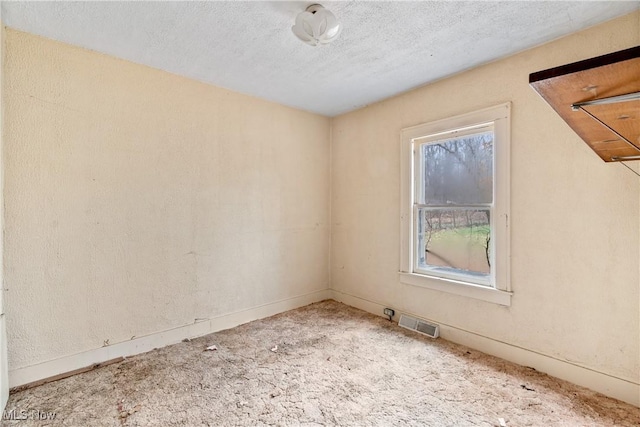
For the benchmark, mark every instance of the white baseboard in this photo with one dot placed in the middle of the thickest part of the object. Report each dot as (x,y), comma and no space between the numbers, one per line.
(52,368)
(625,390)
(618,388)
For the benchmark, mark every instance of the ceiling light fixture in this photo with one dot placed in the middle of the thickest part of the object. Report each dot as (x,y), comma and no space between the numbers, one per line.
(316,26)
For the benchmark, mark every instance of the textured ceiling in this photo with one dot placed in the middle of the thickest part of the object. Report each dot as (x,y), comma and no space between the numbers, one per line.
(385,47)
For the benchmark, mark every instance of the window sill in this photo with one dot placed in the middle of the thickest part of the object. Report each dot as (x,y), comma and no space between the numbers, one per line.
(457,288)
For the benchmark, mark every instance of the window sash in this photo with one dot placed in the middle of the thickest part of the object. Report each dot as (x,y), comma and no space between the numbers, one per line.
(417,196)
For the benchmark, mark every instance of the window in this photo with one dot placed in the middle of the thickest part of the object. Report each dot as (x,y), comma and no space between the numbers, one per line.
(455,200)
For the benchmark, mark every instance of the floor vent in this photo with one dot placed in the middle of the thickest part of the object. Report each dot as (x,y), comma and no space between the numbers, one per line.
(429,329)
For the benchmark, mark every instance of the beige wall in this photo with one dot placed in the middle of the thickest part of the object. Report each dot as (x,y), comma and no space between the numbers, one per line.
(138,201)
(575,232)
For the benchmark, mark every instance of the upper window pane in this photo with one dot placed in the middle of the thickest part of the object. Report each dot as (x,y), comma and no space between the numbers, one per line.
(458,171)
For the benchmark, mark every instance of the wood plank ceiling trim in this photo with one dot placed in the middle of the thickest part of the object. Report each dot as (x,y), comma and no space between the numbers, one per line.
(612,130)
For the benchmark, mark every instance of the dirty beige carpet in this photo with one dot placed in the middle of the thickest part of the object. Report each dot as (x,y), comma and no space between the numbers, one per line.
(334,365)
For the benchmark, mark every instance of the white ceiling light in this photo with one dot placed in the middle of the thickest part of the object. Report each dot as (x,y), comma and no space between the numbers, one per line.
(316,26)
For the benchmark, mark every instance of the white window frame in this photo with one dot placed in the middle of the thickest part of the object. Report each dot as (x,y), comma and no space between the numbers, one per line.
(499,288)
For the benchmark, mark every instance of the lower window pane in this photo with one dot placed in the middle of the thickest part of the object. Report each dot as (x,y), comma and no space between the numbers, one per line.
(455,241)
